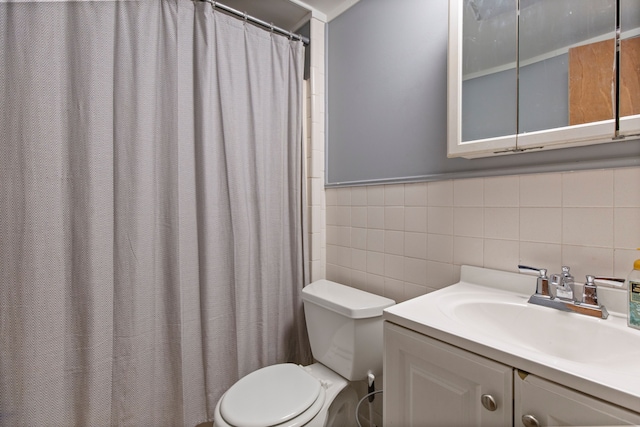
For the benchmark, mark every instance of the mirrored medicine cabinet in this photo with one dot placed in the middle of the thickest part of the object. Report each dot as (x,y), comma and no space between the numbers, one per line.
(541,74)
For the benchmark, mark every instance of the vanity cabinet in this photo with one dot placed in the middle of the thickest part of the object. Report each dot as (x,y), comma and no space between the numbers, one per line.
(432,383)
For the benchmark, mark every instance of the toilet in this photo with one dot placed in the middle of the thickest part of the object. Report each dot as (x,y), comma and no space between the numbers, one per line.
(345,332)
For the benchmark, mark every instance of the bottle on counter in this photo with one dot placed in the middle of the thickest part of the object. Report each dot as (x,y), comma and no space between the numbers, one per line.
(633,289)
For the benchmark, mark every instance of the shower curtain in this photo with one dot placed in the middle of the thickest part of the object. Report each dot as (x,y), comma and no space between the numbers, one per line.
(151,210)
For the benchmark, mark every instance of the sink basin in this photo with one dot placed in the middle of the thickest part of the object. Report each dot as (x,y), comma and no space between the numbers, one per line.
(570,336)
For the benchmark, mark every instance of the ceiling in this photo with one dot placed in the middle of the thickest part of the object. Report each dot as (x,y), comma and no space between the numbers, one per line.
(290,14)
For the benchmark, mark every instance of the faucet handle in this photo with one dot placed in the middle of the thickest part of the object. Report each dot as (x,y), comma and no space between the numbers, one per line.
(590,291)
(542,272)
(609,282)
(542,283)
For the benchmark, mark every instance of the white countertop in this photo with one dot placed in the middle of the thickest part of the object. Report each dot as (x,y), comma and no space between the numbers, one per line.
(612,379)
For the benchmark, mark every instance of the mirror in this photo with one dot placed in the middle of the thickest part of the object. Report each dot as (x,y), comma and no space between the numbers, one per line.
(541,74)
(489,71)
(630,67)
(566,58)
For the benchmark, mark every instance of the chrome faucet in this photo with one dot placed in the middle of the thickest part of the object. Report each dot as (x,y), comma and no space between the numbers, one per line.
(564,285)
(559,292)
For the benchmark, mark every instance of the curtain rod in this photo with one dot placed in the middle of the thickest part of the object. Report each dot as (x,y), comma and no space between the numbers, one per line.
(260,22)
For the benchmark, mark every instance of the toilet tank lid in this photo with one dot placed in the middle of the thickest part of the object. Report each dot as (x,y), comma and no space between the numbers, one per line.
(348,301)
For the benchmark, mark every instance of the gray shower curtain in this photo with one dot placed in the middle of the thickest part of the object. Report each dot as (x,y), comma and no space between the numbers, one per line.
(151,210)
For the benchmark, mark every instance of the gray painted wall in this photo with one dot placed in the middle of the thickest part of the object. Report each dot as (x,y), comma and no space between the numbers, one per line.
(387,98)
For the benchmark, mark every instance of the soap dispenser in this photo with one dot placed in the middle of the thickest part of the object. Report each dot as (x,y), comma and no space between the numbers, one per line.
(633,289)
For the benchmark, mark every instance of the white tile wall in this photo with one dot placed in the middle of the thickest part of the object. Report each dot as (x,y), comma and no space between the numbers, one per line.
(404,240)
(338,214)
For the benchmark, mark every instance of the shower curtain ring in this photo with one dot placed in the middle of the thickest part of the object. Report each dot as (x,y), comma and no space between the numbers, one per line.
(271,26)
(245,16)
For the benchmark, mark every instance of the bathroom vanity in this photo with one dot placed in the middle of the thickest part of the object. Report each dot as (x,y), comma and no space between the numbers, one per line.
(477,353)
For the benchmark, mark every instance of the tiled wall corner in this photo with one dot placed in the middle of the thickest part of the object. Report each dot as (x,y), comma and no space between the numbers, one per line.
(404,240)
(315,154)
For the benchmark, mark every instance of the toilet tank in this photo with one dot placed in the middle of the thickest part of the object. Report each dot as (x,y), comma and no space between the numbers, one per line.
(345,328)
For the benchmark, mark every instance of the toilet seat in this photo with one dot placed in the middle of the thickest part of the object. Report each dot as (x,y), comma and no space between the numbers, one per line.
(283,394)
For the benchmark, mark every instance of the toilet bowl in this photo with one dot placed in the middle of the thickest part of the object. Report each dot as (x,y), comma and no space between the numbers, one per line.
(285,395)
(345,332)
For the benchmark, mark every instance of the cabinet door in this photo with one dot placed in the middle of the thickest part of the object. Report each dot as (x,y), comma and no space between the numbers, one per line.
(430,383)
(540,402)
(482,82)
(566,77)
(630,68)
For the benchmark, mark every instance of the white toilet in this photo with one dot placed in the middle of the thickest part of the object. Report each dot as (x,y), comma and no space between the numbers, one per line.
(345,331)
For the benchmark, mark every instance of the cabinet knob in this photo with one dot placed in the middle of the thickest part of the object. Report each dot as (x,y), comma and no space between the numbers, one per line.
(530,421)
(488,402)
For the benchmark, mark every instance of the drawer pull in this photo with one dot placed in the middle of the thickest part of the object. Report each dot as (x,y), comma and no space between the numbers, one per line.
(530,421)
(489,402)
